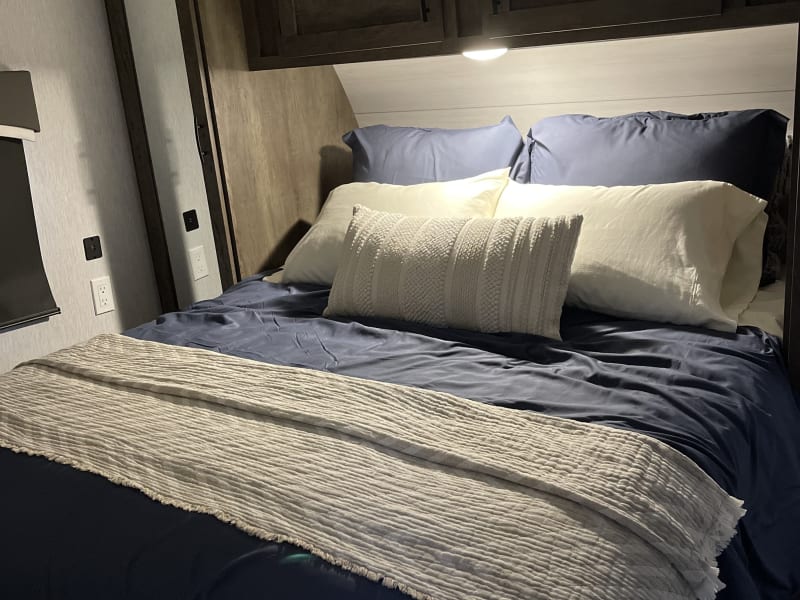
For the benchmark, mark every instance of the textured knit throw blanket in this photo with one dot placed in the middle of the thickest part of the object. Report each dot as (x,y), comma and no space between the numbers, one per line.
(435,495)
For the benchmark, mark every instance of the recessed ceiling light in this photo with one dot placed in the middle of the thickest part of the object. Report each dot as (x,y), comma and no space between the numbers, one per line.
(485,54)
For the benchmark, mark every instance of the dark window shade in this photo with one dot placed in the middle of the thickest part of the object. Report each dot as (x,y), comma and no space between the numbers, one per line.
(25,294)
(17,106)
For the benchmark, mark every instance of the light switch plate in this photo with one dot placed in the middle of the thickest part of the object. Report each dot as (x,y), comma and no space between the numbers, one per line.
(92,248)
(197,258)
(102,295)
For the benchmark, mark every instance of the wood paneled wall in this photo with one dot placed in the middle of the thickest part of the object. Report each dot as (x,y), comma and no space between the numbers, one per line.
(280,140)
(696,72)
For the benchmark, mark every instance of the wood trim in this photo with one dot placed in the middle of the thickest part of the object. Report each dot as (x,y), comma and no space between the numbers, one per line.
(262,63)
(590,14)
(374,37)
(731,18)
(140,149)
(791,318)
(213,171)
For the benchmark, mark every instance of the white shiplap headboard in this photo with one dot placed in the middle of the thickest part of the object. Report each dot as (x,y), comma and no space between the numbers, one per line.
(698,72)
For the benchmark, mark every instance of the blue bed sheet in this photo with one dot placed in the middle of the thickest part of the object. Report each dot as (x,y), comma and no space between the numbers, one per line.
(722,399)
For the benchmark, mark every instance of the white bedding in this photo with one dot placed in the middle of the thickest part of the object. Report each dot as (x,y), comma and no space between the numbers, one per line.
(437,496)
(766,309)
(316,256)
(687,253)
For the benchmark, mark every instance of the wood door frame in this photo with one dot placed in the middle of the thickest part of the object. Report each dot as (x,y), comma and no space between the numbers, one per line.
(140,150)
(791,316)
(210,153)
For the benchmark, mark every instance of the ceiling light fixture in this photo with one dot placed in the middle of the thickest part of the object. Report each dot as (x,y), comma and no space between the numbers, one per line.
(488,54)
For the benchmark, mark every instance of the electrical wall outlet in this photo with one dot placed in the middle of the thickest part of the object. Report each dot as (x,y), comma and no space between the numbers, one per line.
(102,295)
(197,258)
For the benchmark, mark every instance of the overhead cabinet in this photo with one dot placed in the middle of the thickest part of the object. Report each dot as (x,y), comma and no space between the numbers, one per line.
(296,33)
(306,32)
(312,27)
(520,17)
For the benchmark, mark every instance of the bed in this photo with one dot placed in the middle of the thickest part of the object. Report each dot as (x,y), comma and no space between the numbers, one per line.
(723,400)
(405,453)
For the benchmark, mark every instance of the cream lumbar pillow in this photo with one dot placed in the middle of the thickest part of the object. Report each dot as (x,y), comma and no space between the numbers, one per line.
(482,274)
(685,253)
(316,256)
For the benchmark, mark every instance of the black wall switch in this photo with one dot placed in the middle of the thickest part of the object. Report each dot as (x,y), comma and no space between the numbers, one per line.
(91,246)
(190,220)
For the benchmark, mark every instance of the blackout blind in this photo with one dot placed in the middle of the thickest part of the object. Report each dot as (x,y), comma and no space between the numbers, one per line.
(25,294)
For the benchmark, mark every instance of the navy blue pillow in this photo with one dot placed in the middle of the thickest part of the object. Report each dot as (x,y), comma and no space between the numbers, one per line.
(409,155)
(744,148)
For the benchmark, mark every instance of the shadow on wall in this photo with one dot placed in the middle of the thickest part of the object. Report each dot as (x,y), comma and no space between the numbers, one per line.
(335,169)
(103,193)
(167,176)
(100,157)
(96,164)
(289,240)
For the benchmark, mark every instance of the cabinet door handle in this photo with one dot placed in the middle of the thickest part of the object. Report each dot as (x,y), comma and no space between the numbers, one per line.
(424,10)
(197,127)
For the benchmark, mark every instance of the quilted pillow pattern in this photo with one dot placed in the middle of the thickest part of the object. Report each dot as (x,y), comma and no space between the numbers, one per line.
(482,274)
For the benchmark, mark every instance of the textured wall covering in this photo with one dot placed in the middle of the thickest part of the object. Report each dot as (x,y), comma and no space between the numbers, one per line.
(81,173)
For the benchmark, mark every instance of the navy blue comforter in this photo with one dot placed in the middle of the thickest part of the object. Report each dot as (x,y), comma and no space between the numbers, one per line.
(722,399)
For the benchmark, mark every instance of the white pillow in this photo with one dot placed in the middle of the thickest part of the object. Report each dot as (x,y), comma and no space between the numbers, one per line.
(316,256)
(686,253)
(471,273)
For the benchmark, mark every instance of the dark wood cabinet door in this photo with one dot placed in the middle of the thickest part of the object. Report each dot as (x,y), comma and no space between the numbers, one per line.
(520,17)
(315,27)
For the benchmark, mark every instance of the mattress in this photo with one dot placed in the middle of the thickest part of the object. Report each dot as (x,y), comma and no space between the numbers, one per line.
(722,399)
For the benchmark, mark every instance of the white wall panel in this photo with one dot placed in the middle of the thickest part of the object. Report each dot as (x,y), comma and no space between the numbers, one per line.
(81,173)
(710,71)
(526,115)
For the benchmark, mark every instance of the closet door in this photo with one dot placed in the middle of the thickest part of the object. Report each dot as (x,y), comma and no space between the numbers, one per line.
(791,317)
(315,27)
(520,17)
